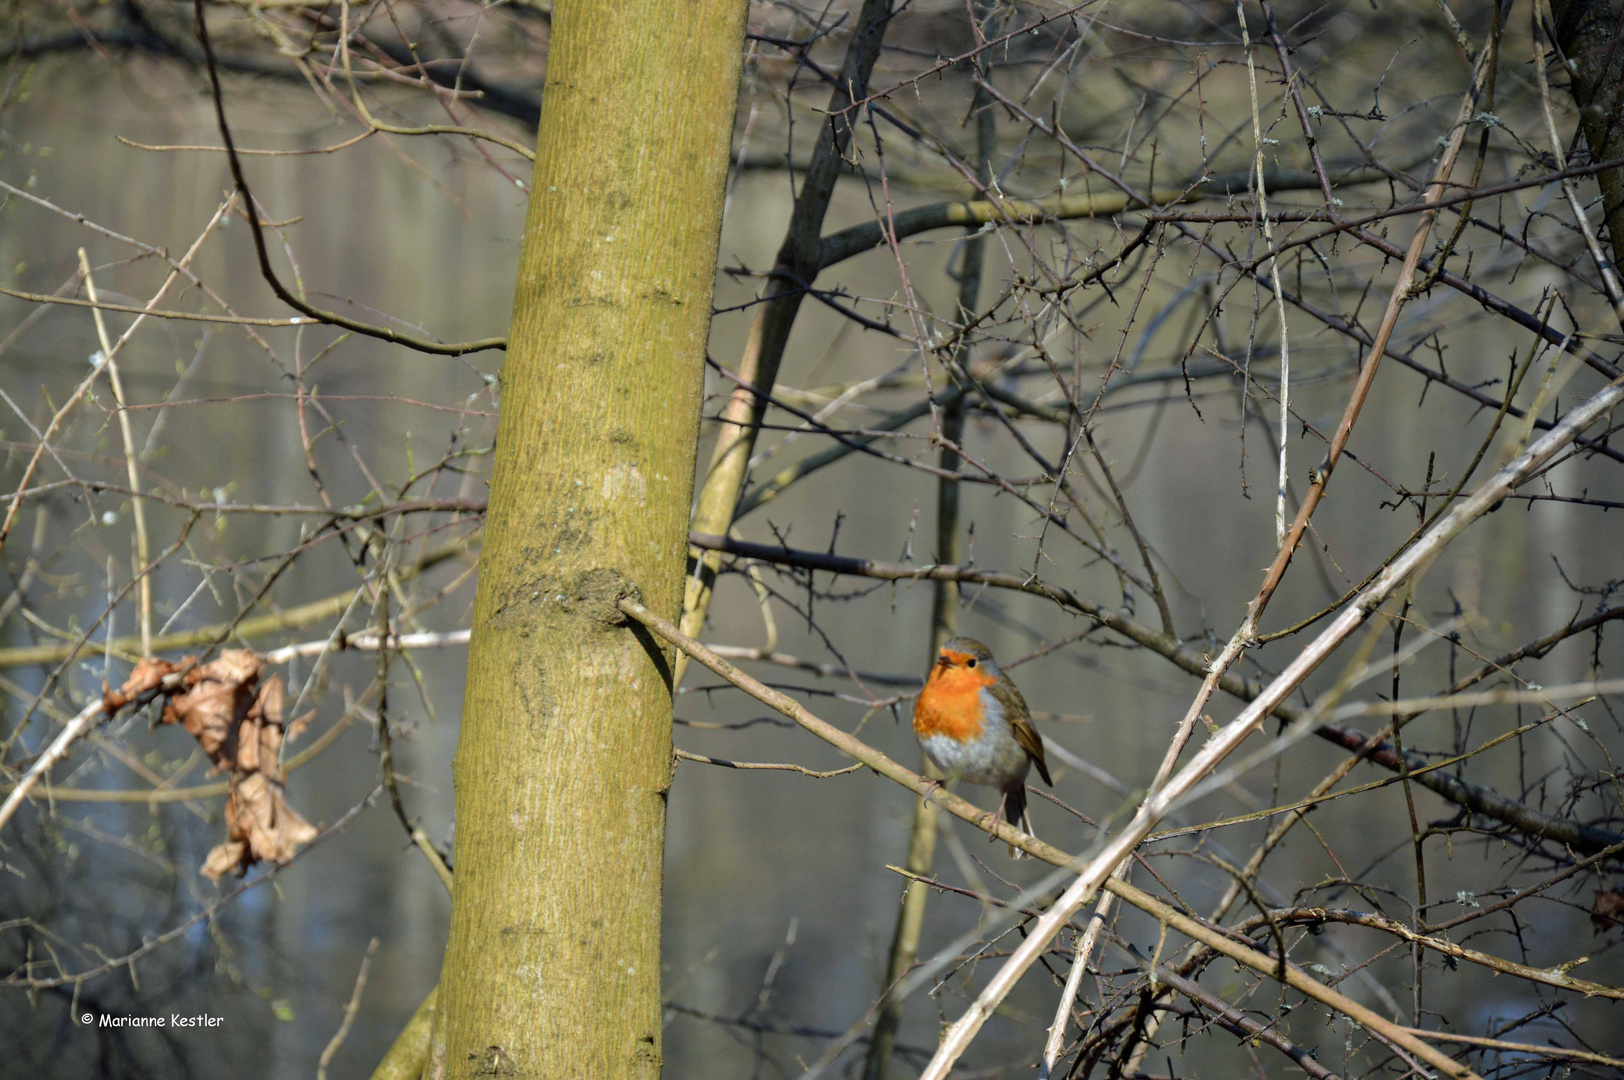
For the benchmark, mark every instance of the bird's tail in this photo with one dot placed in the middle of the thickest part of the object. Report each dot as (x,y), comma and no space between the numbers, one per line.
(1015,814)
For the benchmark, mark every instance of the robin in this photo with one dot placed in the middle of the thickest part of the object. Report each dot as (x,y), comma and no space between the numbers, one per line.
(974,724)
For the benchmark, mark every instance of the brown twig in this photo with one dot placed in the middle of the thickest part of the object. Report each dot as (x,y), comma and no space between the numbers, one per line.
(350,1011)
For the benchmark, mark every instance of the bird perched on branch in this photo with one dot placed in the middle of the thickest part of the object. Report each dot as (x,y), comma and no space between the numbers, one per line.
(974,724)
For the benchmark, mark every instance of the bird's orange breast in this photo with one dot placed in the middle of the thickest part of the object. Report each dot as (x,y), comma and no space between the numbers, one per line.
(950,704)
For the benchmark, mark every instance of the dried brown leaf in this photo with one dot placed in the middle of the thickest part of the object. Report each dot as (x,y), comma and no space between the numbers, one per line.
(297,728)
(1608,910)
(239,723)
(218,694)
(226,858)
(147,675)
(260,825)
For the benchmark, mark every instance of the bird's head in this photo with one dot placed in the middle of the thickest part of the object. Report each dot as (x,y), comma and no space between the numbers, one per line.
(966,655)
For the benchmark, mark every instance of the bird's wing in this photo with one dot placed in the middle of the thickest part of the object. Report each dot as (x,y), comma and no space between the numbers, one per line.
(1020,725)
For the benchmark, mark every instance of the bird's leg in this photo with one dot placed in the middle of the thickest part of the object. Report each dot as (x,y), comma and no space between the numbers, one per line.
(991,817)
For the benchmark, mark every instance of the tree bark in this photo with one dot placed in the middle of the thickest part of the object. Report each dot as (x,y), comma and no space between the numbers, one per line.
(553,964)
(1588,32)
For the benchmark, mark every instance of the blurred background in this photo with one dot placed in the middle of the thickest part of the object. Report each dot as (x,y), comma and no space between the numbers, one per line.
(779,903)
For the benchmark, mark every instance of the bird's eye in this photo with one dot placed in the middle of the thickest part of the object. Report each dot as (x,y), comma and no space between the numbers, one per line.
(971,662)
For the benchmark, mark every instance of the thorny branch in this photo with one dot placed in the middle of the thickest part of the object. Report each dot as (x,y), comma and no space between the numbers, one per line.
(1435,227)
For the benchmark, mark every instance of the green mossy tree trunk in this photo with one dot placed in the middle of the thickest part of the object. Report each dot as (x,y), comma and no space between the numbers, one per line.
(553,965)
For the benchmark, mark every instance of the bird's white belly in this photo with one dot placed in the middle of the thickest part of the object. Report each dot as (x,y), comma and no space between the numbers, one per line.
(976,760)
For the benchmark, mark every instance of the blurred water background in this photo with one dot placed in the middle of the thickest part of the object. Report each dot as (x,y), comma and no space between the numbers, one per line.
(766,872)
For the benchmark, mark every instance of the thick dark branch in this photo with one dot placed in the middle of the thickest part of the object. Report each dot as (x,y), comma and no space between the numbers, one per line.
(1588,34)
(1479,800)
(840,246)
(256,233)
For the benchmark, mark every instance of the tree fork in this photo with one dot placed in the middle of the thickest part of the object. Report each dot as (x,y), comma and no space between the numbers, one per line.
(797,264)
(553,963)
